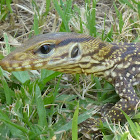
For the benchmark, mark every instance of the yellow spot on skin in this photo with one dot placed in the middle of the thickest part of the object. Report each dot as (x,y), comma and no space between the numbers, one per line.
(28,67)
(15,65)
(114,119)
(38,65)
(113,74)
(25,63)
(120,66)
(125,105)
(18,68)
(9,69)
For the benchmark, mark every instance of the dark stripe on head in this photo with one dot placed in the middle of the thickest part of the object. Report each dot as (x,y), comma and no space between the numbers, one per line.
(69,40)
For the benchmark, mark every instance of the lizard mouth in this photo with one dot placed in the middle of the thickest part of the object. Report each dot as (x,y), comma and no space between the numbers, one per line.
(15,65)
(19,65)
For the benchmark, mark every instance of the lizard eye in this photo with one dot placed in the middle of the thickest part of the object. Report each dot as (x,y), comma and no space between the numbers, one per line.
(75,51)
(46,48)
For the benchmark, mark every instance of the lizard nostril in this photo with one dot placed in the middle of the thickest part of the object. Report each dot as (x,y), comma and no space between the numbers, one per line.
(20,56)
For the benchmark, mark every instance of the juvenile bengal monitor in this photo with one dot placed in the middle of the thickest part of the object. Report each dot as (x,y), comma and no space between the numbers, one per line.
(79,53)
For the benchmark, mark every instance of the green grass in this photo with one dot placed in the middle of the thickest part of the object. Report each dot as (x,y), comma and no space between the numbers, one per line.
(46,104)
(5,8)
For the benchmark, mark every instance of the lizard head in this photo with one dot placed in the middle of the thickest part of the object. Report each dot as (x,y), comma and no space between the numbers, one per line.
(64,52)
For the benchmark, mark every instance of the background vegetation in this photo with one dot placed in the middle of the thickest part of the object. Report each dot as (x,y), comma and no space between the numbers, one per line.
(40,105)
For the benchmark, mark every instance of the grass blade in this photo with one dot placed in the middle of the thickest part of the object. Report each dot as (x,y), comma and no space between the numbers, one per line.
(36,25)
(9,6)
(5,119)
(48,2)
(75,124)
(62,14)
(139,9)
(6,43)
(7,90)
(40,107)
(22,76)
(91,18)
(119,15)
(128,3)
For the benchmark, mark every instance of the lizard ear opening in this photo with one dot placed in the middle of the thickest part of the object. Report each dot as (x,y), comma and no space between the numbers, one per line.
(75,51)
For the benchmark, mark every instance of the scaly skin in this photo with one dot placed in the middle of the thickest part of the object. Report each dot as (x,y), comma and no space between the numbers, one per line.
(78,53)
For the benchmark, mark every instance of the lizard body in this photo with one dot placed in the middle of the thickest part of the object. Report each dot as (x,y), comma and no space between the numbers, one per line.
(78,53)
